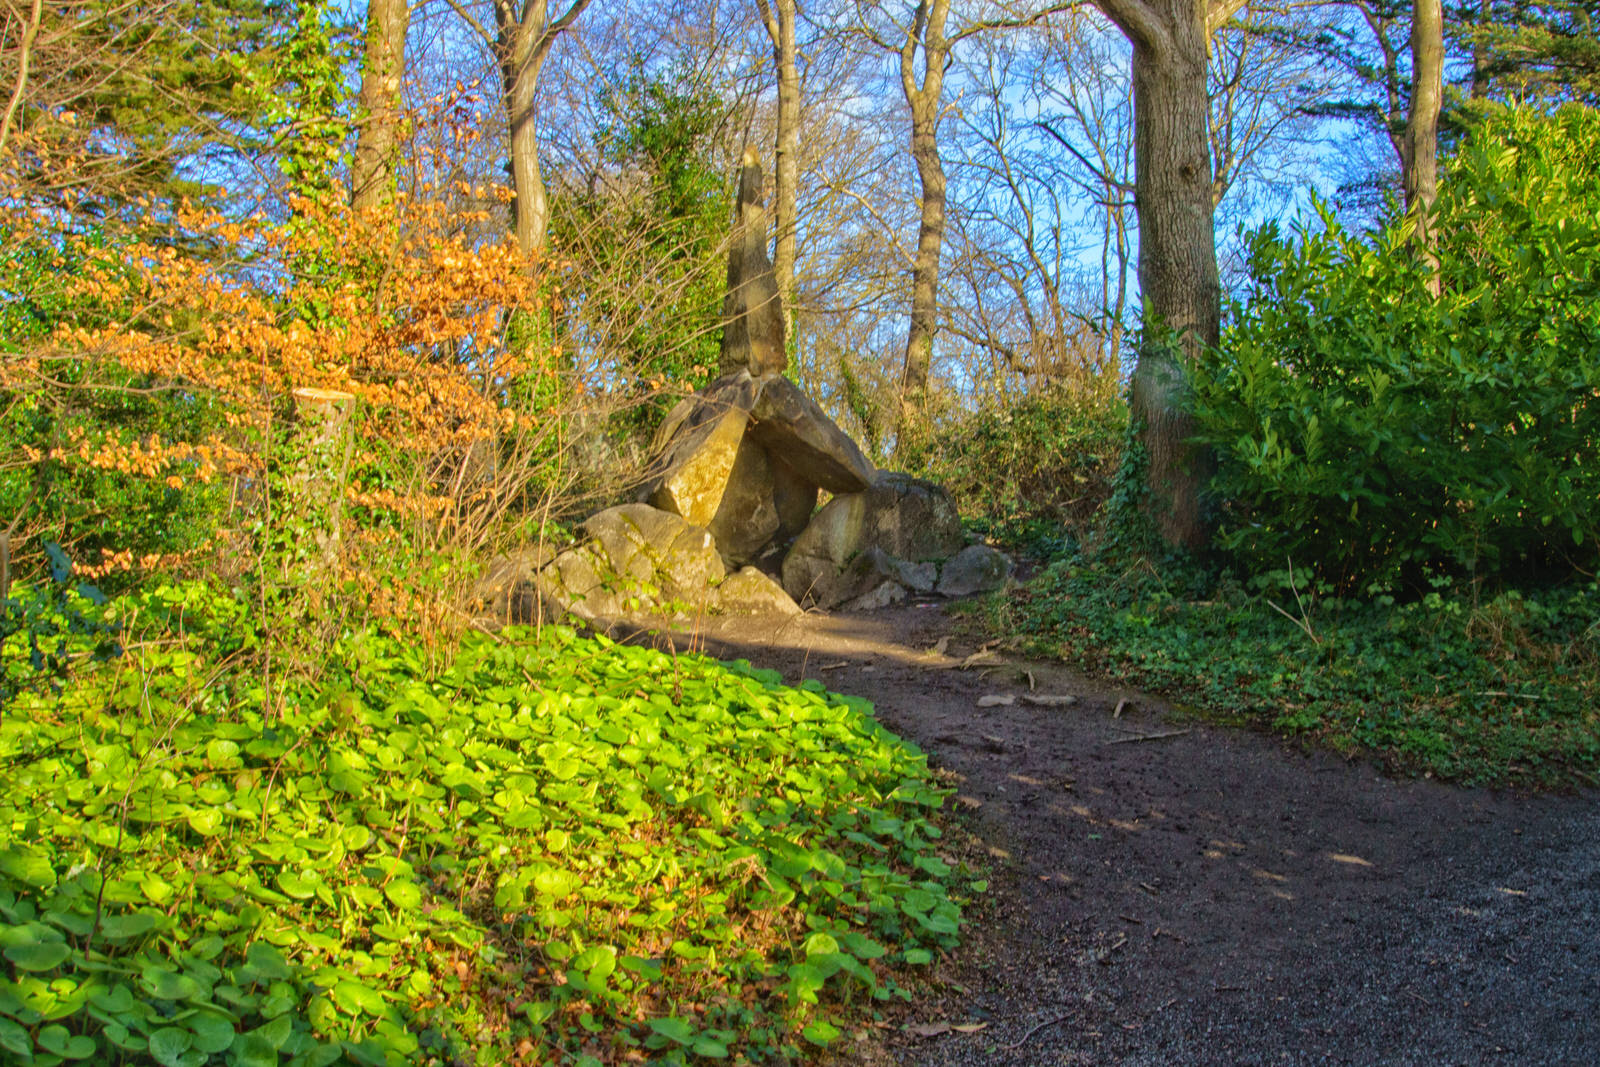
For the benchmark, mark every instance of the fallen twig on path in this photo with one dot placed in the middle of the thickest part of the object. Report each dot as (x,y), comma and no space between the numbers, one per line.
(1145,737)
(1023,1040)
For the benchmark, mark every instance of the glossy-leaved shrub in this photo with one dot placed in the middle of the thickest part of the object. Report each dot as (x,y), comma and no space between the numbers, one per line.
(1371,431)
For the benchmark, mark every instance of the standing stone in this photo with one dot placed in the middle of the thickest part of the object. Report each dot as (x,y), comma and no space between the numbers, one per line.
(752,311)
(794,495)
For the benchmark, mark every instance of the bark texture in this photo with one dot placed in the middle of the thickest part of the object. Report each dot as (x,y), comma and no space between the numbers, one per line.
(1177,246)
(378,138)
(924,98)
(1420,159)
(779,19)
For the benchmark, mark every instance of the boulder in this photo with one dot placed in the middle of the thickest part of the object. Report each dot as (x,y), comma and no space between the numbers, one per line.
(657,548)
(506,591)
(794,495)
(829,585)
(905,518)
(790,425)
(751,592)
(697,446)
(975,569)
(747,517)
(581,581)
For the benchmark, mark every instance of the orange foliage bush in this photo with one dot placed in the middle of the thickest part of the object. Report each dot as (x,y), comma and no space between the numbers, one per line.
(403,308)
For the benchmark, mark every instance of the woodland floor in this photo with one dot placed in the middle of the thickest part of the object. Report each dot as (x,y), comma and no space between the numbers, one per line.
(1164,891)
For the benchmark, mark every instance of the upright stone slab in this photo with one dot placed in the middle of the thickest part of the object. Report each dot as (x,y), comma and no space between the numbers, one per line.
(752,310)
(747,517)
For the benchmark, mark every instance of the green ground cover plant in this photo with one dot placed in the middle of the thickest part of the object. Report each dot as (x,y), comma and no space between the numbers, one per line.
(546,848)
(1486,690)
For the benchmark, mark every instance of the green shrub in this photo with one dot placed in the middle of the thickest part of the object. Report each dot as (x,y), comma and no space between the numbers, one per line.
(1038,467)
(1369,431)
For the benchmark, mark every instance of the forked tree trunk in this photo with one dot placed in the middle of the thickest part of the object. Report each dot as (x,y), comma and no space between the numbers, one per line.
(524,35)
(378,137)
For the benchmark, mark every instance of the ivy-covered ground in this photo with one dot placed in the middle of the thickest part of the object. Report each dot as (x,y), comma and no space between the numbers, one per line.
(529,848)
(1462,685)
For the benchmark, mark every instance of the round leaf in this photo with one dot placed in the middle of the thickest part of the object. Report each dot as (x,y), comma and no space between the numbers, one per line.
(38,955)
(403,895)
(207,822)
(168,1044)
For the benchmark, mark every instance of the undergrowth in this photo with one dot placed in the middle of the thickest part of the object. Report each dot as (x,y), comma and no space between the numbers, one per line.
(1484,690)
(549,849)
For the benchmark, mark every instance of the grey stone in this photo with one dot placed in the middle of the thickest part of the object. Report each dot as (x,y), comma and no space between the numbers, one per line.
(791,426)
(751,592)
(752,310)
(666,550)
(794,495)
(917,577)
(747,516)
(975,569)
(696,447)
(904,517)
(506,585)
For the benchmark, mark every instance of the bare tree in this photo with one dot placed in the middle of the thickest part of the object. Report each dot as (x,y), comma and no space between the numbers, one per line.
(524,35)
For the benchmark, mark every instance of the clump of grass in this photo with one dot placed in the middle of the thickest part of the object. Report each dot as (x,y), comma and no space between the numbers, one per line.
(1499,690)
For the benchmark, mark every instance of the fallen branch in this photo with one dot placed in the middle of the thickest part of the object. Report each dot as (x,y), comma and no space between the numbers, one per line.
(1146,737)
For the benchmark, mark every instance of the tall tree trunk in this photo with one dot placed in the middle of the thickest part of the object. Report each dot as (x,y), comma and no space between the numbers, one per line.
(1178,278)
(530,203)
(524,35)
(1421,160)
(378,137)
(779,18)
(924,100)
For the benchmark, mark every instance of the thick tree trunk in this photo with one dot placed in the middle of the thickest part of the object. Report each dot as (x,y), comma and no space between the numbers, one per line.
(1421,159)
(1178,279)
(378,138)
(924,100)
(780,22)
(530,203)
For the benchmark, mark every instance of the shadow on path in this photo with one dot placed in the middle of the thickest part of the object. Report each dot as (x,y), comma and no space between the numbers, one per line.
(1169,892)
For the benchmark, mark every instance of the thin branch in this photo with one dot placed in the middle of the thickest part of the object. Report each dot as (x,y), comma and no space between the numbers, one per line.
(24,55)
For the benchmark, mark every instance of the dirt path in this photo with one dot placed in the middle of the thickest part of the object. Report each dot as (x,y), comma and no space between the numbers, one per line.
(1209,896)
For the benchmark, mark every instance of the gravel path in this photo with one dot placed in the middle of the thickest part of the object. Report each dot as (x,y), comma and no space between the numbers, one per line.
(1167,892)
